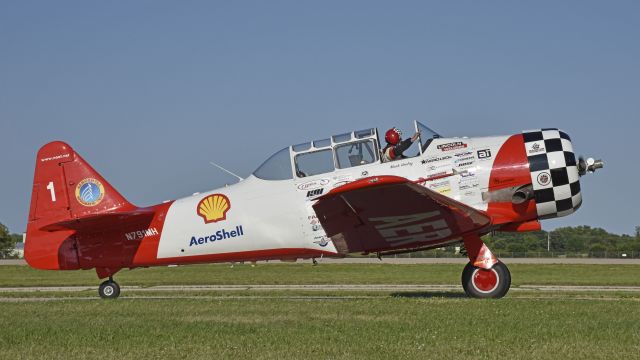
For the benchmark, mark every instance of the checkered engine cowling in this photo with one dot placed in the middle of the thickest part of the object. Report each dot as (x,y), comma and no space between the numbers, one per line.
(554,172)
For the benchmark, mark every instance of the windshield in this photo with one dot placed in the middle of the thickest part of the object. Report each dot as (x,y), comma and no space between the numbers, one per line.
(426,135)
(277,167)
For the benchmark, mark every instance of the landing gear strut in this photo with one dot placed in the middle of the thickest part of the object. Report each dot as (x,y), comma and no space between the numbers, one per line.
(109,289)
(486,283)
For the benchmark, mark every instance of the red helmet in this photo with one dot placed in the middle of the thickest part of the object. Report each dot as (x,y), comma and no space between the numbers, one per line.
(393,136)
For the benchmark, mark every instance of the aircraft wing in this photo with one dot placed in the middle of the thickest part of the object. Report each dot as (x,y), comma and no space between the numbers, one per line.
(388,212)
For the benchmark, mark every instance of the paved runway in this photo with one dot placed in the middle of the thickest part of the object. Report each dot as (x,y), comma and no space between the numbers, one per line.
(334,288)
(260,292)
(390,260)
(594,261)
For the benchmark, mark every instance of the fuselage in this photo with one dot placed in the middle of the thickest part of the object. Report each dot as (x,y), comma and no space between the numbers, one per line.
(269,215)
(274,218)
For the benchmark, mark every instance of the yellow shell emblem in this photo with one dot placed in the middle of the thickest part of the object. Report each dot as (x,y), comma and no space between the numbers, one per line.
(214,208)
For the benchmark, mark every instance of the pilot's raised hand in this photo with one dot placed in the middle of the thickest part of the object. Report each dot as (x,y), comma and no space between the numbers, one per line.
(415,136)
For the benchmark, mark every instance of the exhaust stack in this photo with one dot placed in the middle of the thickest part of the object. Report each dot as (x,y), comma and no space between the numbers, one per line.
(522,195)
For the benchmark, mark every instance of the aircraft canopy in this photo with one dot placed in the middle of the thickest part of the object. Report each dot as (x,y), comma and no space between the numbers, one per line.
(337,152)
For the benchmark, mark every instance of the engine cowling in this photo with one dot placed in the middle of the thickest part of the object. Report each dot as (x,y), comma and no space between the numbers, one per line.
(554,172)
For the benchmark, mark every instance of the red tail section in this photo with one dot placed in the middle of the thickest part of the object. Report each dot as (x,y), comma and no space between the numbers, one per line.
(65,189)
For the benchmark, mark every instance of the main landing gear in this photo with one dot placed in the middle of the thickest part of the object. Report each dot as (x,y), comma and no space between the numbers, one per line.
(484,276)
(109,289)
(486,283)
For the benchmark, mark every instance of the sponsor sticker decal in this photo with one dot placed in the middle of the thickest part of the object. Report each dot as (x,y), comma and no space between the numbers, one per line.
(468,158)
(464,154)
(321,240)
(536,148)
(314,222)
(214,208)
(463,164)
(544,179)
(316,192)
(440,186)
(469,186)
(89,192)
(484,154)
(313,184)
(439,167)
(452,146)
(435,159)
(221,234)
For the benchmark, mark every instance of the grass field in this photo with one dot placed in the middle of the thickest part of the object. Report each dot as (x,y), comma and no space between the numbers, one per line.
(327,325)
(220,274)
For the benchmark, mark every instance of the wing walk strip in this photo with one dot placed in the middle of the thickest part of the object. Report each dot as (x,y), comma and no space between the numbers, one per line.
(356,287)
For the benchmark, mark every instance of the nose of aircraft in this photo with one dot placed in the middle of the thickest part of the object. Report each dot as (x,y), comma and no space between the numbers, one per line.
(554,172)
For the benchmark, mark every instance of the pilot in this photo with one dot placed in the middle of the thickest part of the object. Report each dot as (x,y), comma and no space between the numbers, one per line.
(395,145)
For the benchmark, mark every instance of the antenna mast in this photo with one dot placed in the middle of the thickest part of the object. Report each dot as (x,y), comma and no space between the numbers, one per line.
(225,170)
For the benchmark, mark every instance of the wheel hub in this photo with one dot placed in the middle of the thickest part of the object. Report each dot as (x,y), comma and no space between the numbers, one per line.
(485,280)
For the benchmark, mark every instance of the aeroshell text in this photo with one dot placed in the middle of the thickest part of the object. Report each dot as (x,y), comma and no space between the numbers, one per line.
(218,235)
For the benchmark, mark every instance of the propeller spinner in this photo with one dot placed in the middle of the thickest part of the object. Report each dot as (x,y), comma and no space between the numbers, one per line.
(589,166)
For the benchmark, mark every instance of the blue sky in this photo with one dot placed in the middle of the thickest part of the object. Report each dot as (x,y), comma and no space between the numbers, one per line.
(149,91)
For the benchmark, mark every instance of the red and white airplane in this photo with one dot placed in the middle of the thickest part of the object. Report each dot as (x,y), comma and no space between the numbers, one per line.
(328,198)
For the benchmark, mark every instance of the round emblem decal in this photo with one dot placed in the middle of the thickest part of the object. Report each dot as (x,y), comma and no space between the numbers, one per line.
(544,179)
(89,192)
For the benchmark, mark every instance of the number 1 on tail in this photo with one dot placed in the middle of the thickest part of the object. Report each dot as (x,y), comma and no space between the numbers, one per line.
(53,192)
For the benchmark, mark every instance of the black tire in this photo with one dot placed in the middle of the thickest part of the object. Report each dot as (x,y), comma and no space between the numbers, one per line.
(486,284)
(109,290)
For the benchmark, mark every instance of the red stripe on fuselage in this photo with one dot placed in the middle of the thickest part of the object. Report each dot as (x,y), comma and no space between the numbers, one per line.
(254,255)
(148,248)
(511,169)
(511,166)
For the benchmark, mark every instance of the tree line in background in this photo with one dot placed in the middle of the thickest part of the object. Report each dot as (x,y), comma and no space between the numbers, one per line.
(577,240)
(8,243)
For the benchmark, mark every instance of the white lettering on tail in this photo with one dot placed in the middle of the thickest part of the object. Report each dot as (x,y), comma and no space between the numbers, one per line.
(141,234)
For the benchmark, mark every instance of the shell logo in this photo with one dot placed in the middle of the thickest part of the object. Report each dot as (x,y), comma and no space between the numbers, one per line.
(214,208)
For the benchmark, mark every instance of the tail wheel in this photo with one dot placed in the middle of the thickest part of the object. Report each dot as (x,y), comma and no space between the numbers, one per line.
(109,290)
(481,283)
